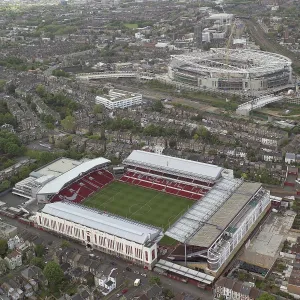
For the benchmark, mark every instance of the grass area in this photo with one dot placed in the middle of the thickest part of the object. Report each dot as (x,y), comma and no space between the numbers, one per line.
(131,25)
(141,204)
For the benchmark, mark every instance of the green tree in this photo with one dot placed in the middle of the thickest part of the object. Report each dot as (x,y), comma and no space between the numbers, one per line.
(172,144)
(98,108)
(3,247)
(39,250)
(4,185)
(11,88)
(40,90)
(65,244)
(3,266)
(53,273)
(157,106)
(69,124)
(13,149)
(24,172)
(202,132)
(154,280)
(168,294)
(266,296)
(2,85)
(38,261)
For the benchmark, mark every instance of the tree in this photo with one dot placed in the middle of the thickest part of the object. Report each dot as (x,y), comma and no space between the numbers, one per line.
(157,106)
(98,109)
(65,244)
(39,250)
(53,273)
(172,144)
(40,90)
(203,132)
(68,123)
(11,88)
(266,296)
(3,247)
(4,185)
(3,266)
(154,280)
(38,261)
(13,149)
(168,294)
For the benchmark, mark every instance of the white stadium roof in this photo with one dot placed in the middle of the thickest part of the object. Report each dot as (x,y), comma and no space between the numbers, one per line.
(58,183)
(187,226)
(174,164)
(105,222)
(184,271)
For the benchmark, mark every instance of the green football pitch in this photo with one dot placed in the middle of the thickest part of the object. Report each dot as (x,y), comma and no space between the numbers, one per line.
(140,204)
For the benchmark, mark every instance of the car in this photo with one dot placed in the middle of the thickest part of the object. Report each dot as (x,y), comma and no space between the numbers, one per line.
(136,272)
(113,263)
(144,275)
(119,295)
(124,291)
(128,269)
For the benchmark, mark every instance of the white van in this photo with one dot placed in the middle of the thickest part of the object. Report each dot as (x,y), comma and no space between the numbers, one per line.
(137,282)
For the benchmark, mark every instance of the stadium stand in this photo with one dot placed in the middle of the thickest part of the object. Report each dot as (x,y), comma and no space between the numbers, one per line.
(84,187)
(162,182)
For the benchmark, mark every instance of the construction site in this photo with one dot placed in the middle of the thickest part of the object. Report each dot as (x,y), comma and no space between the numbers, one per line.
(242,70)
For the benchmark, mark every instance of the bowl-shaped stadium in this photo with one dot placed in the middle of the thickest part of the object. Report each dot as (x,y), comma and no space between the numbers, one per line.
(232,69)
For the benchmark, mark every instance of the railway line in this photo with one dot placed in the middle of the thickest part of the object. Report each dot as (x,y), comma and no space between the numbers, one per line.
(261,38)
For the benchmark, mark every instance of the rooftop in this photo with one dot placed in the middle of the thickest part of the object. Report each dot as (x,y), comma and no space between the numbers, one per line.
(189,226)
(57,167)
(117,95)
(220,16)
(184,271)
(105,222)
(58,183)
(208,233)
(174,164)
(264,248)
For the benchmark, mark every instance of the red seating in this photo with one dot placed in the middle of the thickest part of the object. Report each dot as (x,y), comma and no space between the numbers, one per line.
(84,187)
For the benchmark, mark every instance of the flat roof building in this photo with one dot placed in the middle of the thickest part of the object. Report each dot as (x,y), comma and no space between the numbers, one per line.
(263,250)
(119,99)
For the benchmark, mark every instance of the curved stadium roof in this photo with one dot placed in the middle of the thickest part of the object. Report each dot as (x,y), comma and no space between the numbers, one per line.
(58,183)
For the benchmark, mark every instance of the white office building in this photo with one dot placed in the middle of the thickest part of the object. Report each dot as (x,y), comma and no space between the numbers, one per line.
(100,230)
(119,99)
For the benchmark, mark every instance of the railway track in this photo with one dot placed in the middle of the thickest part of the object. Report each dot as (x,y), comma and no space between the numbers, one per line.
(261,38)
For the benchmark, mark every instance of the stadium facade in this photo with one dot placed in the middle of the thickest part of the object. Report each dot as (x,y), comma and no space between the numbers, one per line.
(232,70)
(100,230)
(224,213)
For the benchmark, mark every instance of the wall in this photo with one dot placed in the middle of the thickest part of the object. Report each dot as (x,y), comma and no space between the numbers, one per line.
(102,241)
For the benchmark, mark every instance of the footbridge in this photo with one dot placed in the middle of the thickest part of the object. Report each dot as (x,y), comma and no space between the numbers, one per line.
(105,75)
(245,108)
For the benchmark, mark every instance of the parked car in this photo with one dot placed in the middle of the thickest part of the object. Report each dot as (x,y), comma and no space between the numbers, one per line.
(144,274)
(124,291)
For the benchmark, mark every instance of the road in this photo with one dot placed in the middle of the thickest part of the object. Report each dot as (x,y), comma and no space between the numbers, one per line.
(175,286)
